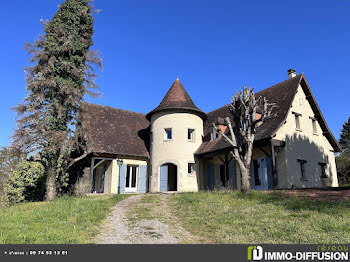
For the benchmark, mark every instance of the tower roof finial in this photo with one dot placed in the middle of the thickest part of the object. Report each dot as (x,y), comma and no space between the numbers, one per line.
(177,78)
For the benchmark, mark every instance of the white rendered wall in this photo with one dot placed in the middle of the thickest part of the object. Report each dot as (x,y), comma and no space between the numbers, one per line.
(179,150)
(303,144)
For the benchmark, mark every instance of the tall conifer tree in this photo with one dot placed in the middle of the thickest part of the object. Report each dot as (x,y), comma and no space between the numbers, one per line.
(62,72)
(344,140)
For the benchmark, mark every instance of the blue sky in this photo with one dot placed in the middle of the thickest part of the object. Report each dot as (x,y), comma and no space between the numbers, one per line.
(213,46)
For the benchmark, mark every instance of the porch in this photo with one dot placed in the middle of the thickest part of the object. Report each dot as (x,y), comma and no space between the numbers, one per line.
(219,171)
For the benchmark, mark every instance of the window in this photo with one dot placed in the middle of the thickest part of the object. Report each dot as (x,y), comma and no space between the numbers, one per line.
(297,121)
(168,134)
(302,168)
(323,169)
(314,127)
(190,134)
(130,179)
(213,134)
(256,172)
(190,168)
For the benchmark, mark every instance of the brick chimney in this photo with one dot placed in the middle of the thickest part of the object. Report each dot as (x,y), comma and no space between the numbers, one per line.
(291,73)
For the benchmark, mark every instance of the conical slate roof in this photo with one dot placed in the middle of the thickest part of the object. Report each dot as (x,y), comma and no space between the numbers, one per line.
(177,100)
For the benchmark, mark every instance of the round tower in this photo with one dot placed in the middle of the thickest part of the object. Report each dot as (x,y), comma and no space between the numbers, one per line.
(176,134)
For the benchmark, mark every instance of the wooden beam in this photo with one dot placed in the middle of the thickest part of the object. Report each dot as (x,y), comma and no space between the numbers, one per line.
(278,143)
(262,150)
(223,161)
(99,163)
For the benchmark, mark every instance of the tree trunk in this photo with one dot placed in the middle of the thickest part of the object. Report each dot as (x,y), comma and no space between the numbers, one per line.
(50,184)
(245,181)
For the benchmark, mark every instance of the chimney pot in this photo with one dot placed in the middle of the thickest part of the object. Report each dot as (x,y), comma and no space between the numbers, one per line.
(291,73)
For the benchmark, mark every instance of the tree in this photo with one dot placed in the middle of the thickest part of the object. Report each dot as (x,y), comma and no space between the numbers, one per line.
(343,159)
(344,140)
(248,113)
(62,72)
(343,167)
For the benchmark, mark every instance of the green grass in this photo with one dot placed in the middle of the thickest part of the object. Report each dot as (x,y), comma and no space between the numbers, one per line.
(230,217)
(70,220)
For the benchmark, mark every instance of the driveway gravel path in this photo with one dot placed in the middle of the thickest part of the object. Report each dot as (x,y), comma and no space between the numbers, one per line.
(143,219)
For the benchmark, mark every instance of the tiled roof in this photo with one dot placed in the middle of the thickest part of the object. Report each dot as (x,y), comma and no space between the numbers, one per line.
(116,131)
(283,95)
(177,99)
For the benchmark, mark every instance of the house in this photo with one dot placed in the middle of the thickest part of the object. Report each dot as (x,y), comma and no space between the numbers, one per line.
(175,148)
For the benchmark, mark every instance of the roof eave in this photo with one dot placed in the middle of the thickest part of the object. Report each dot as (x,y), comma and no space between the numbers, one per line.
(198,112)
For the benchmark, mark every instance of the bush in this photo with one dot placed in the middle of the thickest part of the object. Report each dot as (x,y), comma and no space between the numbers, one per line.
(27,182)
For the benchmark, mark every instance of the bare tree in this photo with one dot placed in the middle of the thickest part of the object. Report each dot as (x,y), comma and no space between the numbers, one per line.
(248,113)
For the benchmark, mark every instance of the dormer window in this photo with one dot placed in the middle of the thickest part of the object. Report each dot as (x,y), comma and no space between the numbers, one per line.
(213,134)
(168,134)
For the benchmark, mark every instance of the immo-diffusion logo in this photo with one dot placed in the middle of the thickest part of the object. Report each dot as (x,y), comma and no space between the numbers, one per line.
(255,253)
(332,253)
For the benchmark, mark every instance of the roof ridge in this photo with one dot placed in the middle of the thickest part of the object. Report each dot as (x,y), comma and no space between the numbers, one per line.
(300,75)
(115,108)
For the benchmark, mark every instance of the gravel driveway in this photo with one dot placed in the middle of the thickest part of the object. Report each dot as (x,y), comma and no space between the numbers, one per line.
(142,219)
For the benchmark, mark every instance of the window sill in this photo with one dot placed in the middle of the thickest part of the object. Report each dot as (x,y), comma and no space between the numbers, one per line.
(315,134)
(299,130)
(167,140)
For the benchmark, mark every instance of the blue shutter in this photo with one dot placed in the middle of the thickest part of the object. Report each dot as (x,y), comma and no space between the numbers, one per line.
(232,175)
(104,177)
(269,172)
(143,176)
(252,173)
(211,176)
(122,175)
(163,178)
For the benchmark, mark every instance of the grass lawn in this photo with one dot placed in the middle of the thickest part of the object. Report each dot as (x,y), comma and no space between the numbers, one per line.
(261,217)
(70,220)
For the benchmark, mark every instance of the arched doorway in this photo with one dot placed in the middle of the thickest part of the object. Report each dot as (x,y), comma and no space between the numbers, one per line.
(168,177)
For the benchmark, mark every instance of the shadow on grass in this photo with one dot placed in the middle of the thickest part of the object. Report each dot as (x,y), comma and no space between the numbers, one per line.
(296,203)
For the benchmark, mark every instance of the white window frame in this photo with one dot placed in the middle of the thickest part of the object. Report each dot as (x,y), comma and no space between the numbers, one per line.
(314,125)
(297,121)
(214,134)
(128,188)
